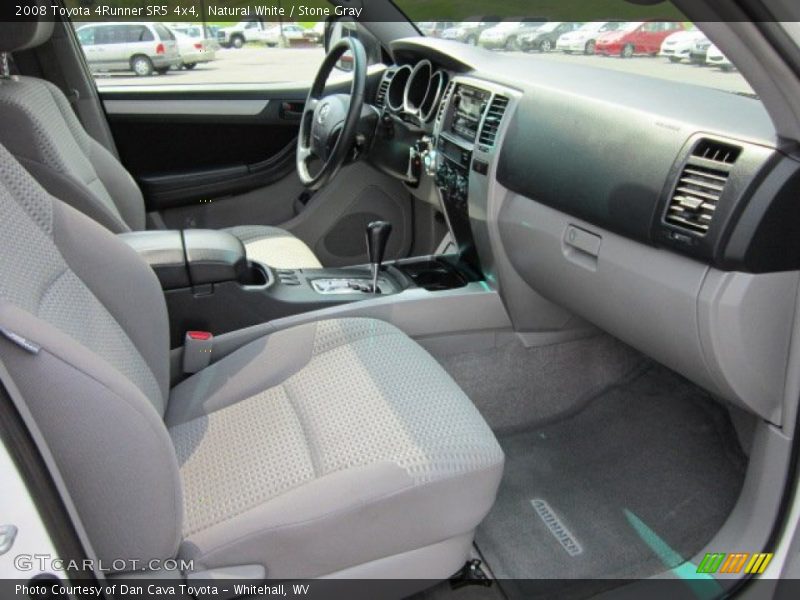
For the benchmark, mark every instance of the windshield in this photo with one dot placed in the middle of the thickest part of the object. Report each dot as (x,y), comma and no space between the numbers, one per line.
(584,35)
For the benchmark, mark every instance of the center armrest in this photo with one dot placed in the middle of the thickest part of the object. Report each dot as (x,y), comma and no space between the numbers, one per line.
(213,256)
(190,257)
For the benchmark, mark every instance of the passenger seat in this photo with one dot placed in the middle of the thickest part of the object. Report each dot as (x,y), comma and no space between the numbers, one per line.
(335,448)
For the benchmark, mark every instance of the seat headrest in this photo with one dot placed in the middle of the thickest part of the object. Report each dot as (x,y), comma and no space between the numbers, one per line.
(21,35)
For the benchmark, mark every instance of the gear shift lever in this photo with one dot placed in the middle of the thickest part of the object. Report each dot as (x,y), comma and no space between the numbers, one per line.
(377,235)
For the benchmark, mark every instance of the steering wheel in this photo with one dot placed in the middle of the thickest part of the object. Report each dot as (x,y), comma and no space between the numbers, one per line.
(329,123)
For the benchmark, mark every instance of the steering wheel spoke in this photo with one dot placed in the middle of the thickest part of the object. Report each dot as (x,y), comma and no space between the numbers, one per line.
(330,123)
(304,153)
(311,104)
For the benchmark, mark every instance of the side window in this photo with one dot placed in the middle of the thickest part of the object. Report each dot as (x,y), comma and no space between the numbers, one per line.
(139,33)
(111,34)
(86,36)
(164,34)
(222,53)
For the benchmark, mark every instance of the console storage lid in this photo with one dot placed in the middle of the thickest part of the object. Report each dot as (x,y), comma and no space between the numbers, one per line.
(214,256)
(191,257)
(163,251)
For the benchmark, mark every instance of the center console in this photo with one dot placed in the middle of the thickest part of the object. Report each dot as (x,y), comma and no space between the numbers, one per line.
(210,285)
(464,135)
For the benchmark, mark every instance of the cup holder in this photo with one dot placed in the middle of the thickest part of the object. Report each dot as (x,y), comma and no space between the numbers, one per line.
(255,275)
(434,275)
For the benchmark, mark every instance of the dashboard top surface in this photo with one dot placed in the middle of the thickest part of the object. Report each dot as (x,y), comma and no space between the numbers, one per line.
(684,106)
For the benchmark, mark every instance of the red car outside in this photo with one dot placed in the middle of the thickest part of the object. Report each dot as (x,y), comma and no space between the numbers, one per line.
(636,37)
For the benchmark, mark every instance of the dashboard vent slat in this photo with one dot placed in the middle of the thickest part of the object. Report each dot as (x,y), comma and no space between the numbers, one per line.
(701,184)
(491,123)
(695,198)
(717,151)
(380,97)
(448,91)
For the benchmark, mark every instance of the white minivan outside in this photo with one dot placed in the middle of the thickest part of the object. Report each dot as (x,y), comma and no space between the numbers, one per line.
(144,48)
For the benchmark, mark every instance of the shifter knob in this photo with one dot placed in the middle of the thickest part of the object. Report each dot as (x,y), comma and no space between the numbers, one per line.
(377,236)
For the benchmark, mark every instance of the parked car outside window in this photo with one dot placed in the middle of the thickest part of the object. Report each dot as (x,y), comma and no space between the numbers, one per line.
(435,28)
(470,30)
(507,34)
(636,38)
(143,48)
(678,46)
(193,50)
(584,38)
(715,58)
(544,38)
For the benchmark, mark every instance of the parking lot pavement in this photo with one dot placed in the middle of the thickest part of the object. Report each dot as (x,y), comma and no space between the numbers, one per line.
(258,64)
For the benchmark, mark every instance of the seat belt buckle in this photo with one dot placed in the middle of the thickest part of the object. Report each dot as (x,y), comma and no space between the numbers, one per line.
(197,346)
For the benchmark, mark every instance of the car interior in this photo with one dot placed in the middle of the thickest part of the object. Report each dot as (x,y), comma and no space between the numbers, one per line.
(448,315)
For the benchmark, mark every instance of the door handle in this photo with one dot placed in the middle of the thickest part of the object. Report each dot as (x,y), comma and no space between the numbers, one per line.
(292,110)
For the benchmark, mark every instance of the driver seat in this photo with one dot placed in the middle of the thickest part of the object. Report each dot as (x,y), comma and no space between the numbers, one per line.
(39,127)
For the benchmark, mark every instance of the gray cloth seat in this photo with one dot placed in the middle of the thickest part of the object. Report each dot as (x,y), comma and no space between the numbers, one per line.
(335,448)
(39,127)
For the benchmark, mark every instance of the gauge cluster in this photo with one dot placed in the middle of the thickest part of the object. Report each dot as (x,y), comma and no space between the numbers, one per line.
(413,91)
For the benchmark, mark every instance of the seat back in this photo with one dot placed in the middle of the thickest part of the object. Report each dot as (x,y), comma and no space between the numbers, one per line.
(39,127)
(85,339)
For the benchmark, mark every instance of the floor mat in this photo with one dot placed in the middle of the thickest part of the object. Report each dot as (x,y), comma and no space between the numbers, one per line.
(630,486)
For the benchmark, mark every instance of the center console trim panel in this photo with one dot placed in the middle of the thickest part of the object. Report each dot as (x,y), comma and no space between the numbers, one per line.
(464,194)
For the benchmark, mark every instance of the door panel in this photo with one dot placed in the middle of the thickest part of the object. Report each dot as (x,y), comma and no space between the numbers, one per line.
(211,157)
(187,146)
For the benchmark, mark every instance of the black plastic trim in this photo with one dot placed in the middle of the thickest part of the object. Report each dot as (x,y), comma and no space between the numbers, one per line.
(744,176)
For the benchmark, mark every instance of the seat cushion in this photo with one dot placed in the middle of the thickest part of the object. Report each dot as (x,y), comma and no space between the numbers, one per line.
(327,446)
(275,247)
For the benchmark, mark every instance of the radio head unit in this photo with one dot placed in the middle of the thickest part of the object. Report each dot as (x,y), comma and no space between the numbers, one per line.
(469,105)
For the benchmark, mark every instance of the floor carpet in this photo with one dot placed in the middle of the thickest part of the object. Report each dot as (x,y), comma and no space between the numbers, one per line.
(631,486)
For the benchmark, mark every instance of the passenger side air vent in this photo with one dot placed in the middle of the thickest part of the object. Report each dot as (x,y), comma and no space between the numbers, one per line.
(491,124)
(717,151)
(445,99)
(695,199)
(700,185)
(380,97)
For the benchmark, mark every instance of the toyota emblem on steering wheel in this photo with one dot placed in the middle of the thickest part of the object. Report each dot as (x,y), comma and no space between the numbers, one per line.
(323,113)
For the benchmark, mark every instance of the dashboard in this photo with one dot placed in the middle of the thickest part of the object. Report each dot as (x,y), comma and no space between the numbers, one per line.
(666,217)
(672,174)
(445,124)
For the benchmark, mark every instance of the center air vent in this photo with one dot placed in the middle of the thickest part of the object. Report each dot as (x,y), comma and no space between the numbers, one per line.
(445,99)
(491,124)
(700,185)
